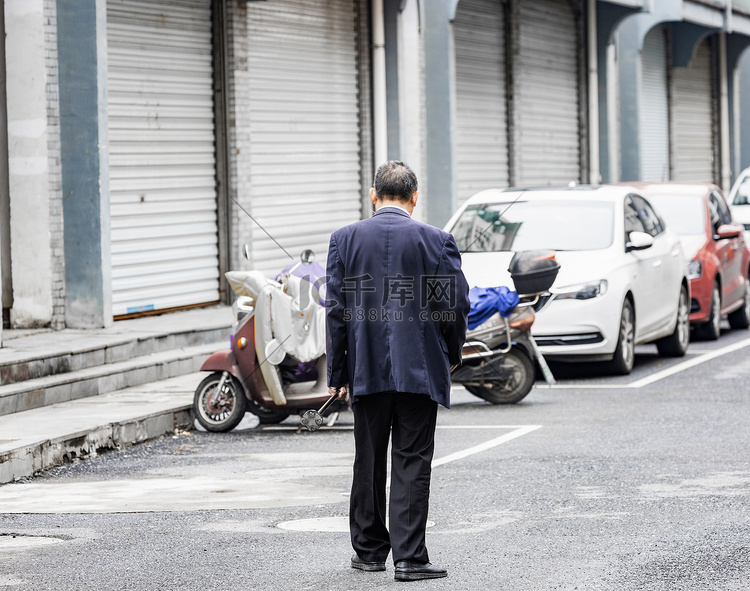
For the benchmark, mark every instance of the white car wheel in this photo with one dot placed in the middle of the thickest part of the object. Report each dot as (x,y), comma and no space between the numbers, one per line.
(624,358)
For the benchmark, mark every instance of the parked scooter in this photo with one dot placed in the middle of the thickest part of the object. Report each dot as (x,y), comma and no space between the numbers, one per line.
(498,359)
(276,365)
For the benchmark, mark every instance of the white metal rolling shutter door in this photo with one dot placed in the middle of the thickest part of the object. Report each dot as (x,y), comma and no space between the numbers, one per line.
(547,94)
(693,119)
(654,108)
(304,125)
(161,155)
(481,113)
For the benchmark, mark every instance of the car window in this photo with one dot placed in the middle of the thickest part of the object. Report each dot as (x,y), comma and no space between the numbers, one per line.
(684,214)
(633,221)
(724,213)
(535,225)
(651,222)
(742,196)
(714,212)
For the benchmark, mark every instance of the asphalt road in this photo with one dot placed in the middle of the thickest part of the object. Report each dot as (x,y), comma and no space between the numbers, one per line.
(636,482)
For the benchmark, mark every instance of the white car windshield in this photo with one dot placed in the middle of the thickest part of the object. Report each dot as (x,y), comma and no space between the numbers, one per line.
(535,225)
(742,196)
(684,214)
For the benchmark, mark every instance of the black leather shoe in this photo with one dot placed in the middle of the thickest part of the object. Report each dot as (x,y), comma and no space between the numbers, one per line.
(406,570)
(357,562)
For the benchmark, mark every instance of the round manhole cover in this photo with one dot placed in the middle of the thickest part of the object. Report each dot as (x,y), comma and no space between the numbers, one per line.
(10,541)
(329,524)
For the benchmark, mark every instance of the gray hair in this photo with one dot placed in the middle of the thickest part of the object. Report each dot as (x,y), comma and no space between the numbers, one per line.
(395,180)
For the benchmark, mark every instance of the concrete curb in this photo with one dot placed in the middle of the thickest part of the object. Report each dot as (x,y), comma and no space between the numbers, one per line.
(50,436)
(31,459)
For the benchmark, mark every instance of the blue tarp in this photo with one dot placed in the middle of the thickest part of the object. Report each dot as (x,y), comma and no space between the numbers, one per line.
(485,301)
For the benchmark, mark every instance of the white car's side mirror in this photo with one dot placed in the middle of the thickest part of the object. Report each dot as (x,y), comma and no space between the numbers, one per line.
(639,241)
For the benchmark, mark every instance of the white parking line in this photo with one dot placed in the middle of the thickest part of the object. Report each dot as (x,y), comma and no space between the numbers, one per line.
(518,431)
(665,373)
(576,386)
(297,427)
(670,371)
(481,426)
(341,523)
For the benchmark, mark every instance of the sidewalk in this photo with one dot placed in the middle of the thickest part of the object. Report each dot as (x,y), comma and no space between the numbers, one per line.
(44,437)
(68,394)
(118,341)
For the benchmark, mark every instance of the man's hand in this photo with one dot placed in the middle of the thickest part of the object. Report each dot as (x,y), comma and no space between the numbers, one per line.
(343,392)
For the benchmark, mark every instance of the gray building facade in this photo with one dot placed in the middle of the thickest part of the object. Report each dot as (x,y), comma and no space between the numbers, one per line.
(143,143)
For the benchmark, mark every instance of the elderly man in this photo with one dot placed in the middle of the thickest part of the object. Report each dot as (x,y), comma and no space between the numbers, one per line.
(396,323)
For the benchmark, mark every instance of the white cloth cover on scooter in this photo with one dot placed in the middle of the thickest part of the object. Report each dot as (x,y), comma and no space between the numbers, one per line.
(285,312)
(256,285)
(263,336)
(248,283)
(298,320)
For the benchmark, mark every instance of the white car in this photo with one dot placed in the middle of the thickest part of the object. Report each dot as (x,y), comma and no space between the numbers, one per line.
(739,201)
(622,280)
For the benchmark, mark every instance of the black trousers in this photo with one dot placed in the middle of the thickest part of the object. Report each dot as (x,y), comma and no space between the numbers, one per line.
(411,418)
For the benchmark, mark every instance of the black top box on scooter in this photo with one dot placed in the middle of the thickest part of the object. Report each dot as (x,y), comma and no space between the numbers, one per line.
(533,271)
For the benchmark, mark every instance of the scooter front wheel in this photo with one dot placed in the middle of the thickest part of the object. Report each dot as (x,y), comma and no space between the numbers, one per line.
(219,411)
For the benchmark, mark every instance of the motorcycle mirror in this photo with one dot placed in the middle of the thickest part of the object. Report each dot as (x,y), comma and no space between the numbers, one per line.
(246,251)
(307,257)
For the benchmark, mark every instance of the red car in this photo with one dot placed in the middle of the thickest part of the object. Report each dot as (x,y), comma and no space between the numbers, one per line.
(715,247)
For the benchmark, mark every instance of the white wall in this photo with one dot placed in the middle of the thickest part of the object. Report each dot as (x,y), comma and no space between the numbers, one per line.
(6,295)
(28,165)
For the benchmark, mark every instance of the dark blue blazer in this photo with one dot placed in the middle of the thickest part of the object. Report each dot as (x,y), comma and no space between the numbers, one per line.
(396,307)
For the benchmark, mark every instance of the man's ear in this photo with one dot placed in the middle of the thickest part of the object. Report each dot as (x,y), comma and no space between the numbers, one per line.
(414,198)
(373,195)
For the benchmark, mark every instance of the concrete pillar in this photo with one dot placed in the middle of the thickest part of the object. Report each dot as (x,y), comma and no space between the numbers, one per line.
(724,126)
(82,53)
(28,166)
(410,99)
(736,49)
(629,70)
(592,59)
(379,84)
(608,16)
(440,117)
(744,108)
(390,17)
(6,294)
